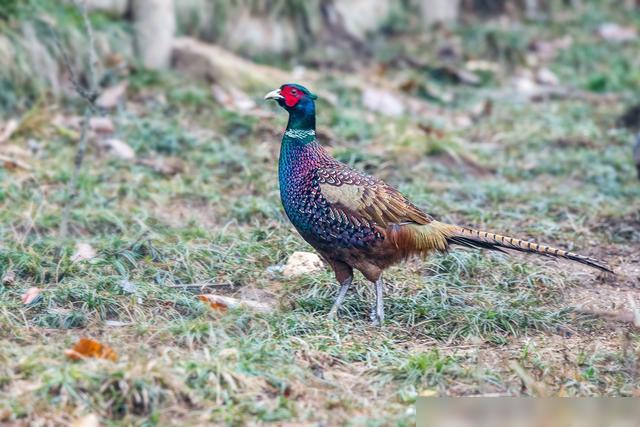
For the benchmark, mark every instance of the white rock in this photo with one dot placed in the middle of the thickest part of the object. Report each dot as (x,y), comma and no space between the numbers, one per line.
(302,263)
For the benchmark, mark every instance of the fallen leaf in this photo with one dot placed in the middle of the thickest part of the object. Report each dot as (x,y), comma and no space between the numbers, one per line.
(101,125)
(86,347)
(302,263)
(167,166)
(31,296)
(9,129)
(113,95)
(214,303)
(528,86)
(222,303)
(617,33)
(90,420)
(11,163)
(119,148)
(428,393)
(84,251)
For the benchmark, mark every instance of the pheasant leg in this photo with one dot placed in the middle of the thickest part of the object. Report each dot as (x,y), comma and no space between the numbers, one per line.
(344,287)
(377,313)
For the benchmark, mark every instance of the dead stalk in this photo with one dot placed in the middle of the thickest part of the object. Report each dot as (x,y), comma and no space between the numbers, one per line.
(89,94)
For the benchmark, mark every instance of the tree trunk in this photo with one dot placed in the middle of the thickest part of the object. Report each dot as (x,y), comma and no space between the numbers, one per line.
(155,27)
(439,11)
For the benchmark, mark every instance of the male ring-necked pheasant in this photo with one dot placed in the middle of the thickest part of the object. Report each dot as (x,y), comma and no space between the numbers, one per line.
(356,221)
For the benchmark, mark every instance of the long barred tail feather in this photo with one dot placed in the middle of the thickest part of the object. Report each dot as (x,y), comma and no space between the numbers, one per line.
(482,239)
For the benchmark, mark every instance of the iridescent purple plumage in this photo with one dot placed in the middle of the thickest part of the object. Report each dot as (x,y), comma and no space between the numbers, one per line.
(304,164)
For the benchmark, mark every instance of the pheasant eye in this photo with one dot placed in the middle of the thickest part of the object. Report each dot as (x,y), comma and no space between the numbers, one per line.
(294,92)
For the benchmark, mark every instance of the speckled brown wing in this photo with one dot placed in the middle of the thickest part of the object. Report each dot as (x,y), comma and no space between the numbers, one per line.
(366,199)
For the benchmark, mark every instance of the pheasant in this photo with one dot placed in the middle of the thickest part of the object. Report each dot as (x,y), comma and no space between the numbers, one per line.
(356,221)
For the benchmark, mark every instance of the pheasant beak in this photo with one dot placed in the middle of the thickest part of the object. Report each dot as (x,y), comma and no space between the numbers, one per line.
(274,94)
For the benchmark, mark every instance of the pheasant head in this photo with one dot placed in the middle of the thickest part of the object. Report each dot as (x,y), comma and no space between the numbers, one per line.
(299,102)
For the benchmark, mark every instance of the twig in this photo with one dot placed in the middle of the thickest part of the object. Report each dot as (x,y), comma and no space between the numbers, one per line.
(199,285)
(89,94)
(93,57)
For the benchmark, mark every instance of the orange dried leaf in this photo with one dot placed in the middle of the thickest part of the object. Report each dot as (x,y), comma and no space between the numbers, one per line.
(222,303)
(86,347)
(215,304)
(30,295)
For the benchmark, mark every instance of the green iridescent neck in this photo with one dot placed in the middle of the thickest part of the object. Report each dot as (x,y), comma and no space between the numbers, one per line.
(299,139)
(301,127)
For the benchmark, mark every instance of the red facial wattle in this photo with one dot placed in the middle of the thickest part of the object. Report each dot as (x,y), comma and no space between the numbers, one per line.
(291,95)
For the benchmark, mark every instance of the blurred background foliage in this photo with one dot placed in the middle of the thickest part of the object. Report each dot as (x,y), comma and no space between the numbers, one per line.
(317,33)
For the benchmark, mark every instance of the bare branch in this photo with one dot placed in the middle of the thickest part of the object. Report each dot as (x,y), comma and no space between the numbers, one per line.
(80,90)
(72,186)
(89,94)
(93,57)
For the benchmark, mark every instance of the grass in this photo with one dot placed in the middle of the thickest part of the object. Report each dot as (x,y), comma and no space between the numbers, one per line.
(558,171)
